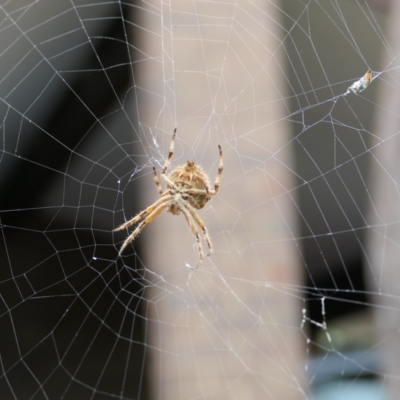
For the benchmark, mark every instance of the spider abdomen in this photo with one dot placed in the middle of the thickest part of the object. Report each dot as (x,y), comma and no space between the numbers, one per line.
(192,176)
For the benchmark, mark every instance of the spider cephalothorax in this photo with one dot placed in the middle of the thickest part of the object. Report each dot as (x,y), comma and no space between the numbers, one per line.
(188,189)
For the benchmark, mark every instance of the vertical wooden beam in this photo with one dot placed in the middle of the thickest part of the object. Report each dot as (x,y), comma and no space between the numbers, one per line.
(382,261)
(231,328)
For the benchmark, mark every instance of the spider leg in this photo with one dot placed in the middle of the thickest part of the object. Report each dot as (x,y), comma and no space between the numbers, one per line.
(200,223)
(205,192)
(169,182)
(157,182)
(150,218)
(143,213)
(195,191)
(195,232)
(218,178)
(171,151)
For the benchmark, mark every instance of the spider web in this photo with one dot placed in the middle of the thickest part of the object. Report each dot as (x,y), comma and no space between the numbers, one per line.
(299,299)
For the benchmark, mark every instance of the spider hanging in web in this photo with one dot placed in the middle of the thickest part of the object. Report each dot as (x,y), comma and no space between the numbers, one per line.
(188,189)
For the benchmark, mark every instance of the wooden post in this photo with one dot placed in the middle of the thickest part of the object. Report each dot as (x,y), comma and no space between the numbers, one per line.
(231,328)
(382,261)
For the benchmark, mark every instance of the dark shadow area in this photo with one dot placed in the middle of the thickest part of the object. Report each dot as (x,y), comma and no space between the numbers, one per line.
(71,318)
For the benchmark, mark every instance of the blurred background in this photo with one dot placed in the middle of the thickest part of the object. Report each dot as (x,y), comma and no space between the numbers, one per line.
(299,299)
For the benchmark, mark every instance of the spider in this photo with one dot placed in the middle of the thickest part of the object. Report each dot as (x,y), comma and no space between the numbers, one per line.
(188,189)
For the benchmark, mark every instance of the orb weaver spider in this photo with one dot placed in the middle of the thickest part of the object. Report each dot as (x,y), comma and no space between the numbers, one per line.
(188,189)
